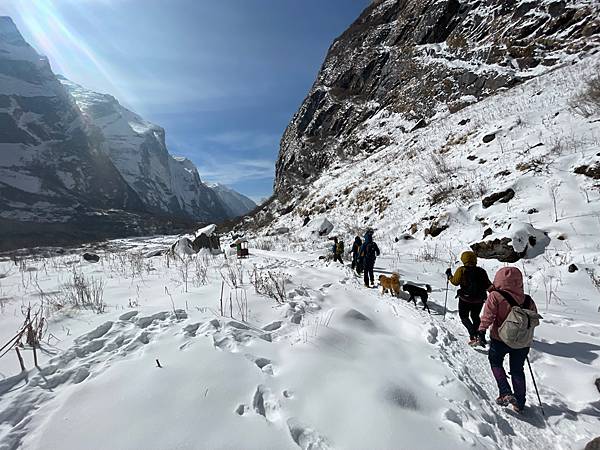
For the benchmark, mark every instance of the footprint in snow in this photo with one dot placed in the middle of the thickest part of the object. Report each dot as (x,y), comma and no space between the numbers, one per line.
(305,437)
(265,403)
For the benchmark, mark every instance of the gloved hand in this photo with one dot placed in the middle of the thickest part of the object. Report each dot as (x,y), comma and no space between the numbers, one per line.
(449,272)
(481,338)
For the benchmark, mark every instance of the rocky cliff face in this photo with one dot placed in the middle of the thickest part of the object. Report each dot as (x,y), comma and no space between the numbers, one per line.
(236,204)
(49,167)
(419,59)
(165,184)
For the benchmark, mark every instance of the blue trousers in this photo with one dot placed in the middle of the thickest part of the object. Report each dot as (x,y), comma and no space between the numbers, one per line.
(498,350)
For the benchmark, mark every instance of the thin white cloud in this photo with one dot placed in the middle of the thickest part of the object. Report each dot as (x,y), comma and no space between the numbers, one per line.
(237,171)
(245,140)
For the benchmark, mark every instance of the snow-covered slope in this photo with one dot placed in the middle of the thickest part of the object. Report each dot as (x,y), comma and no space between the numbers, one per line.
(236,203)
(137,148)
(49,168)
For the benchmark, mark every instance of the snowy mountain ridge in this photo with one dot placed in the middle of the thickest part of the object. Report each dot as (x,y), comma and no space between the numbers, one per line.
(237,204)
(137,148)
(68,155)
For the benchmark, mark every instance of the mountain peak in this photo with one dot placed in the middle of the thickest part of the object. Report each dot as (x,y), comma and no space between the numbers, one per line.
(9,33)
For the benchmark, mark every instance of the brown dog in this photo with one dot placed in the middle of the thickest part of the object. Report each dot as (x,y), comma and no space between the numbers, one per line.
(390,284)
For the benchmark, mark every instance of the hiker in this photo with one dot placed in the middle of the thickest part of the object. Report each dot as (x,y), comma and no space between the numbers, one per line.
(338,250)
(474,283)
(513,338)
(368,254)
(355,252)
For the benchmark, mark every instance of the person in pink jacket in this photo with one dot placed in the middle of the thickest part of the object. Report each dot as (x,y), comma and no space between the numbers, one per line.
(507,282)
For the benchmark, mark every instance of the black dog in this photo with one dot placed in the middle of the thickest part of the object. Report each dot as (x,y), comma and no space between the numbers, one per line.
(416,291)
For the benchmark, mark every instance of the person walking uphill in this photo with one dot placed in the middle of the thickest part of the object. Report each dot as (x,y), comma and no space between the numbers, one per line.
(337,250)
(355,252)
(511,337)
(474,283)
(368,254)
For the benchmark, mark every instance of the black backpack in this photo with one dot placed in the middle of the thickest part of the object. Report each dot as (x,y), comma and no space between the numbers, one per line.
(473,287)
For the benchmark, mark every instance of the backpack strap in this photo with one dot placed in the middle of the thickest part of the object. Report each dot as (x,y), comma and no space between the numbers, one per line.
(509,298)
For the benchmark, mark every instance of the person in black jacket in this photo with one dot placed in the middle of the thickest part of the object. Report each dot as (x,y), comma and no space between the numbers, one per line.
(368,254)
(474,284)
(355,252)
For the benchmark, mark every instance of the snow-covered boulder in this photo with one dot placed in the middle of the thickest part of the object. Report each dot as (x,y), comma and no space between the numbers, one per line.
(321,226)
(206,238)
(207,230)
(522,241)
(183,246)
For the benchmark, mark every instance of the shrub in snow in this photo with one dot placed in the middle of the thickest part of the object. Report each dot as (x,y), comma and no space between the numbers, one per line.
(587,102)
(522,242)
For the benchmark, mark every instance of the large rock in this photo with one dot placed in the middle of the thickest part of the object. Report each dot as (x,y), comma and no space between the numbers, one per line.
(91,257)
(183,246)
(500,197)
(594,444)
(523,241)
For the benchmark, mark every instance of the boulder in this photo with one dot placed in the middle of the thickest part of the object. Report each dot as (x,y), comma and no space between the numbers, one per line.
(589,171)
(91,257)
(183,246)
(489,138)
(209,242)
(500,249)
(522,242)
(502,197)
(282,230)
(320,226)
(573,268)
(435,229)
(594,444)
(155,253)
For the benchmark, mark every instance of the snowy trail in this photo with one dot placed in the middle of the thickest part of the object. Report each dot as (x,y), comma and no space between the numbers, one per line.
(335,366)
(478,414)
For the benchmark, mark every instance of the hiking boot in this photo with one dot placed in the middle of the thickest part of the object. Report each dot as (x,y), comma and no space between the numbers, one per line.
(518,409)
(505,400)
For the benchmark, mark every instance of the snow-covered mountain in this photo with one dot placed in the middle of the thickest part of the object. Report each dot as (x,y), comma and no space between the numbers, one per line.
(235,203)
(49,166)
(164,183)
(77,164)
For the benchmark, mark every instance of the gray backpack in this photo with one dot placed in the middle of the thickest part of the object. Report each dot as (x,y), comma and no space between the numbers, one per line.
(517,330)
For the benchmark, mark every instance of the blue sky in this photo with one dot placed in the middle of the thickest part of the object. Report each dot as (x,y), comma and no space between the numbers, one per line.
(222,77)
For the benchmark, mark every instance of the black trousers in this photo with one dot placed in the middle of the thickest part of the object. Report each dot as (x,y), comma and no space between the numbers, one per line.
(337,257)
(369,275)
(469,316)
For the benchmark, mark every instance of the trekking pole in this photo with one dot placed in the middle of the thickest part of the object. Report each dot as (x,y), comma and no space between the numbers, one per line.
(446,300)
(536,388)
